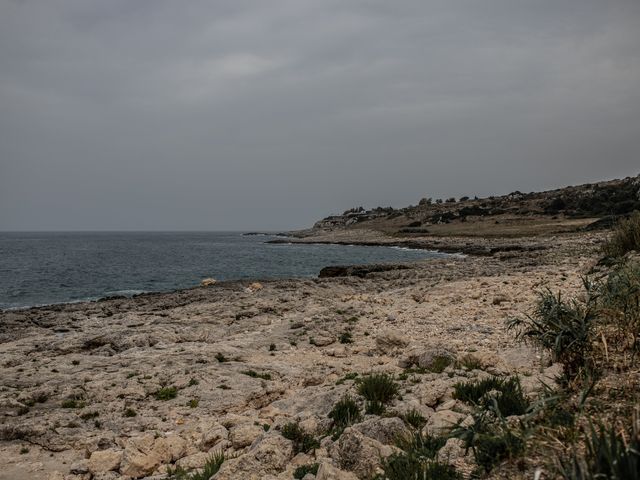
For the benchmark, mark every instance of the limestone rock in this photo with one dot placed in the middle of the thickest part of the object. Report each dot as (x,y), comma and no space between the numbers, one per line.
(358,453)
(104,460)
(424,358)
(243,435)
(268,456)
(441,422)
(389,340)
(326,471)
(384,430)
(207,282)
(212,436)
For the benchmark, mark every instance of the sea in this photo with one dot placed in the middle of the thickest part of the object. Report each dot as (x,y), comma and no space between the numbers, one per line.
(60,267)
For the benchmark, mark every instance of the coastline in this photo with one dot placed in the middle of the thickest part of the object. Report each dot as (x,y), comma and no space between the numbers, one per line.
(113,356)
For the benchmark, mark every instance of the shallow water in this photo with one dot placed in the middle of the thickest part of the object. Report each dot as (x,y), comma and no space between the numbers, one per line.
(45,268)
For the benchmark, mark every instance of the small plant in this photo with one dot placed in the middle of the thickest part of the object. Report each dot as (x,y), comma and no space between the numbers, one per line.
(193,403)
(439,363)
(266,427)
(625,238)
(374,407)
(378,388)
(345,412)
(73,403)
(272,347)
(89,415)
(469,362)
(166,393)
(24,451)
(254,374)
(348,376)
(211,467)
(302,441)
(414,418)
(75,362)
(346,337)
(490,443)
(509,399)
(564,329)
(402,466)
(193,382)
(302,470)
(130,413)
(609,454)
(220,357)
(421,445)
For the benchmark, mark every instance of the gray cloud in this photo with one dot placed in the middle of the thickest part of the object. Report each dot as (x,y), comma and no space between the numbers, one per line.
(253,114)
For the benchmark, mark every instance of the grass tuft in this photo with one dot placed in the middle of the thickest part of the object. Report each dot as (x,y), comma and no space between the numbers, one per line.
(507,397)
(302,441)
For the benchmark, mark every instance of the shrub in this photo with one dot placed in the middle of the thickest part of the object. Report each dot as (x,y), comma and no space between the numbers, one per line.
(490,443)
(469,362)
(220,357)
(625,237)
(378,388)
(272,347)
(166,393)
(129,412)
(193,382)
(620,299)
(72,403)
(374,407)
(346,337)
(564,329)
(414,418)
(509,399)
(254,374)
(211,467)
(421,445)
(345,412)
(193,403)
(302,441)
(608,455)
(406,467)
(302,470)
(439,363)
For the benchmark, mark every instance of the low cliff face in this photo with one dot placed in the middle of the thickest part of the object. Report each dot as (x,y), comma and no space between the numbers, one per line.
(597,200)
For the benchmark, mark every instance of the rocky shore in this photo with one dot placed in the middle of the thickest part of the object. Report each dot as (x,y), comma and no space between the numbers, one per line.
(134,388)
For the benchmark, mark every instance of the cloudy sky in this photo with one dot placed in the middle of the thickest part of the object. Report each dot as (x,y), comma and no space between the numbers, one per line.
(210,115)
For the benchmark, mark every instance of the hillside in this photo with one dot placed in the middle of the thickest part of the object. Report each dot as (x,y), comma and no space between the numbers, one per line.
(565,209)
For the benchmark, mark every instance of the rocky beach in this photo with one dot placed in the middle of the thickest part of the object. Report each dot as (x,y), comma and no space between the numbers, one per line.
(137,388)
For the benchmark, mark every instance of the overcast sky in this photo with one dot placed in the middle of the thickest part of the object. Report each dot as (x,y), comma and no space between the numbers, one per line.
(213,115)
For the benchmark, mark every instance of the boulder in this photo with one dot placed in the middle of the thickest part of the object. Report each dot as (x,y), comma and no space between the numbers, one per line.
(207,282)
(384,430)
(212,436)
(424,358)
(268,456)
(326,471)
(104,460)
(442,421)
(389,340)
(244,435)
(358,453)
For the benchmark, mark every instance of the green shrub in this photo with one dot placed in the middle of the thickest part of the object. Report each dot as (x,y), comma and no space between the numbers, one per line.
(374,407)
(72,403)
(302,441)
(509,399)
(272,347)
(345,412)
(211,467)
(220,357)
(619,299)
(469,362)
(565,330)
(129,412)
(302,470)
(421,445)
(609,454)
(414,418)
(254,374)
(346,337)
(439,363)
(378,388)
(625,237)
(403,466)
(166,393)
(490,443)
